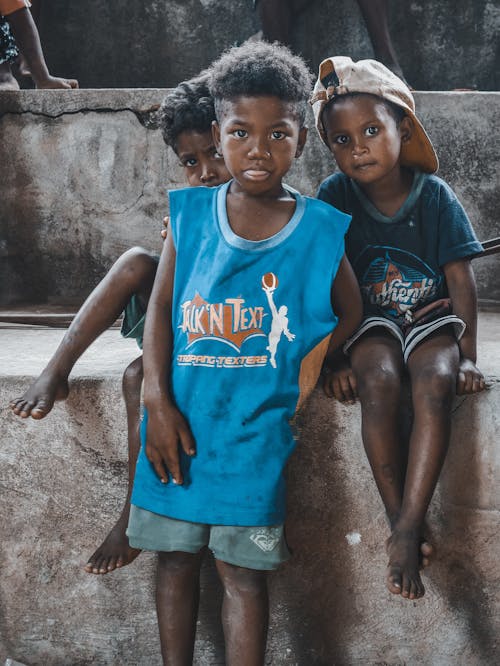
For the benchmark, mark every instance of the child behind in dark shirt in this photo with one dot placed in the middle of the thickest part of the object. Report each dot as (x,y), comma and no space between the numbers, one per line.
(409,243)
(185,119)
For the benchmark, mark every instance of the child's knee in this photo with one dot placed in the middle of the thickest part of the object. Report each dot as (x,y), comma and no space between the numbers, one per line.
(137,265)
(133,373)
(435,383)
(240,580)
(178,564)
(379,383)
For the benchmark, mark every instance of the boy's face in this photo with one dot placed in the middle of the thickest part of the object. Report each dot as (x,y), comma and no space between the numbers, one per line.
(364,137)
(259,138)
(198,155)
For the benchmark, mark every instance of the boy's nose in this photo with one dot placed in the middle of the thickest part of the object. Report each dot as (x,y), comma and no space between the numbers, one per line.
(259,150)
(207,174)
(358,148)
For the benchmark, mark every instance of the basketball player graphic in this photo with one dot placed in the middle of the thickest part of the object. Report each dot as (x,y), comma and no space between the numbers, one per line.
(279,323)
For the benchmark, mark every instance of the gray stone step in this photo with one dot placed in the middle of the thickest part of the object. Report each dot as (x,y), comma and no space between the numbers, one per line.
(62,485)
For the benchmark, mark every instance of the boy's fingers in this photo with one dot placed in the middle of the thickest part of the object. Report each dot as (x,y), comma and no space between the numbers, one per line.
(460,383)
(346,389)
(327,387)
(354,385)
(155,459)
(187,442)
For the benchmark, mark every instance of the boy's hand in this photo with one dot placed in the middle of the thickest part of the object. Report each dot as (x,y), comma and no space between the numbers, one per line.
(339,382)
(469,379)
(166,430)
(164,231)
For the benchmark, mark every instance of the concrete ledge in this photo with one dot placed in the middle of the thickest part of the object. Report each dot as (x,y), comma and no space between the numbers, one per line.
(63,484)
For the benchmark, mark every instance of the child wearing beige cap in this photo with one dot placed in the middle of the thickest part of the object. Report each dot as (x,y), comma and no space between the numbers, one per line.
(410,244)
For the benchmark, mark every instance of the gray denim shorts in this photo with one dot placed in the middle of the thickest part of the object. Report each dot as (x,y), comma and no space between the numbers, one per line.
(262,547)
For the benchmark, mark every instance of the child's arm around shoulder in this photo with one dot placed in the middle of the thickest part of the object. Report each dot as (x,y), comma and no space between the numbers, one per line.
(462,290)
(338,378)
(166,427)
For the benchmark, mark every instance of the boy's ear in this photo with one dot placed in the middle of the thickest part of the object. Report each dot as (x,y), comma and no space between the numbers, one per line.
(302,142)
(216,134)
(406,129)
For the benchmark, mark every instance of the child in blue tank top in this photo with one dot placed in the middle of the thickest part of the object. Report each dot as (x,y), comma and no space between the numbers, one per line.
(251,283)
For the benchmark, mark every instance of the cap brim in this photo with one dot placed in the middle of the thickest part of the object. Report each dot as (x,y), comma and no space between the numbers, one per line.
(418,151)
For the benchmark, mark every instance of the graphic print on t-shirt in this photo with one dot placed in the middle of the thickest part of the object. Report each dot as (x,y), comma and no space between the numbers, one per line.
(232,323)
(395,280)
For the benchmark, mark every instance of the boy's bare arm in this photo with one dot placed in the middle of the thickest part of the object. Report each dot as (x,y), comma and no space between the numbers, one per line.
(167,428)
(339,380)
(462,290)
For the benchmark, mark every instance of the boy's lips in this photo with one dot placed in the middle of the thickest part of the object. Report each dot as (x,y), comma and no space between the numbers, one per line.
(365,165)
(256,174)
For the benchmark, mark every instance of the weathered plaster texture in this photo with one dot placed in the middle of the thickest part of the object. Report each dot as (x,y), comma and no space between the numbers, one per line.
(442,44)
(86,178)
(63,483)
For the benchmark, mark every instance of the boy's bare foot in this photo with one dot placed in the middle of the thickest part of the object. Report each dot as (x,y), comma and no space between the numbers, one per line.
(7,80)
(404,548)
(426,552)
(41,395)
(115,551)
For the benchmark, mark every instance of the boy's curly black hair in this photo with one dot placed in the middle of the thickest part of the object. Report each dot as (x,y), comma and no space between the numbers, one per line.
(259,68)
(188,106)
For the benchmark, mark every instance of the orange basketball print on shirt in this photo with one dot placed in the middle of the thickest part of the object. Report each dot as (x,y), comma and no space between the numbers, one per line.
(270,281)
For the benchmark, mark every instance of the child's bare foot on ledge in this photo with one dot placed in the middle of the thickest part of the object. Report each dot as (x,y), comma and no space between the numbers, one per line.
(426,552)
(404,548)
(41,395)
(115,551)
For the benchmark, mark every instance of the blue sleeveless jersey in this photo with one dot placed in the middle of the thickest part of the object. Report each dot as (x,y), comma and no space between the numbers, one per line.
(251,322)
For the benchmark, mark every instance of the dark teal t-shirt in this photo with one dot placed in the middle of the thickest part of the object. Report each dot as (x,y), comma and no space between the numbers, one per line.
(399,260)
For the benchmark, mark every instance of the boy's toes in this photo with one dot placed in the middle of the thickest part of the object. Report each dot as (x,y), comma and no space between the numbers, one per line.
(426,553)
(112,564)
(394,580)
(39,410)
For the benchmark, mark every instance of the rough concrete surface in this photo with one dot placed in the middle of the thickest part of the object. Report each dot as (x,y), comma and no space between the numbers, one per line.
(442,44)
(63,483)
(88,177)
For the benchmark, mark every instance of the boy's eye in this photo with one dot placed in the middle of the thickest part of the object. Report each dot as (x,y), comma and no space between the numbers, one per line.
(277,134)
(190,162)
(371,131)
(342,139)
(240,133)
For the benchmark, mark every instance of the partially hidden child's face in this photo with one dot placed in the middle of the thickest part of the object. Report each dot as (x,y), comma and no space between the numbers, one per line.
(200,160)
(259,138)
(364,137)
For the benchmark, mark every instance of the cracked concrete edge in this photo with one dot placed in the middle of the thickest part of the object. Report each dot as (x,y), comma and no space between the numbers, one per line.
(55,103)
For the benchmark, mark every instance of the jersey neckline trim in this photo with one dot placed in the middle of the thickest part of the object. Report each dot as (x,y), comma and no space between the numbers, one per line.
(257,246)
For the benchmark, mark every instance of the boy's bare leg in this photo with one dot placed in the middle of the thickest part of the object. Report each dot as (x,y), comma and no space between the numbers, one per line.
(132,273)
(377,363)
(177,597)
(115,551)
(245,614)
(375,16)
(433,368)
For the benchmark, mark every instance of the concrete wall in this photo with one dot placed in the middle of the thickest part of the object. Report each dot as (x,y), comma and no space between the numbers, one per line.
(442,44)
(87,175)
(63,484)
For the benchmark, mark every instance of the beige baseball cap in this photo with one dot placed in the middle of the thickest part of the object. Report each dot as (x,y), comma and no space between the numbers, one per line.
(341,75)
